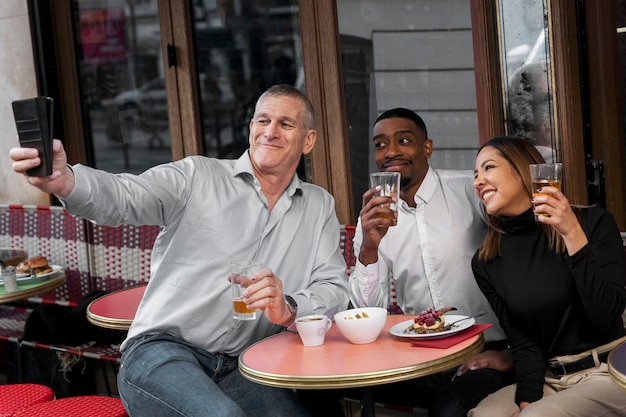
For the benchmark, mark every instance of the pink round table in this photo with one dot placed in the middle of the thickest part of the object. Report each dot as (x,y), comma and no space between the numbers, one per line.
(282,360)
(117,309)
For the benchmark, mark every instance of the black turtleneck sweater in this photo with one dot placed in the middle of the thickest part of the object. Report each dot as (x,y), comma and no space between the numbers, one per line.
(553,304)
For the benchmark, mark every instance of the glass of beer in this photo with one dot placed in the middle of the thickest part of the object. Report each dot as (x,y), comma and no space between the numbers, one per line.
(389,183)
(545,175)
(240,274)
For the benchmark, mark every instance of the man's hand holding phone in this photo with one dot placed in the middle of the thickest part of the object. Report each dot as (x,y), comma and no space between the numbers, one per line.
(34,121)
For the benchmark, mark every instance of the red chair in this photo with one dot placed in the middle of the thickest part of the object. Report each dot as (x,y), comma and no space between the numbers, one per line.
(16,397)
(84,406)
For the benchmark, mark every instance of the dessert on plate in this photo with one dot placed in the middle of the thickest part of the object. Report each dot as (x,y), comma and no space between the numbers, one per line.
(430,321)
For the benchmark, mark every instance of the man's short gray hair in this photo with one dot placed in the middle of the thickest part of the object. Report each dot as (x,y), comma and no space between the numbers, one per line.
(290,91)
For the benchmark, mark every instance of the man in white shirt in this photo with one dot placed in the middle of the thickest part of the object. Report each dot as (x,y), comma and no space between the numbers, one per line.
(440,225)
(428,251)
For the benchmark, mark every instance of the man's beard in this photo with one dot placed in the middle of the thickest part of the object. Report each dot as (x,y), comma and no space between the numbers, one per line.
(404,182)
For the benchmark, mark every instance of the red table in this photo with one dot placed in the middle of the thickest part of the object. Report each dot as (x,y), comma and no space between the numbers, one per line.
(117,309)
(282,360)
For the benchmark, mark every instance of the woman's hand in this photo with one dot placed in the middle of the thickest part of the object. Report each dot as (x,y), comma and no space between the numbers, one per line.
(522,405)
(500,360)
(559,214)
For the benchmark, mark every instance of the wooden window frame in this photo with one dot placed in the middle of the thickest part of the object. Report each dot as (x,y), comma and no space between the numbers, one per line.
(606,121)
(330,158)
(69,102)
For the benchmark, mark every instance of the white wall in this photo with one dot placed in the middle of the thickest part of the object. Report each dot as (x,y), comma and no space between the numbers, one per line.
(17,80)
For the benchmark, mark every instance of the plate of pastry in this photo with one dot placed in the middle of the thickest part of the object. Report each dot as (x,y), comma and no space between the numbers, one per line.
(450,325)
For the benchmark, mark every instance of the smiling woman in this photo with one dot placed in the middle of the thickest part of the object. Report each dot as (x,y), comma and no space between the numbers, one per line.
(498,179)
(531,267)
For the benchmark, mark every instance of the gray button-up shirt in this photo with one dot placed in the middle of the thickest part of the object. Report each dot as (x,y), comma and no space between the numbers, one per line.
(211,212)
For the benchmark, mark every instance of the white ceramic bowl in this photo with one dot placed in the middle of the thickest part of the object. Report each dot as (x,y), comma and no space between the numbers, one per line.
(361,330)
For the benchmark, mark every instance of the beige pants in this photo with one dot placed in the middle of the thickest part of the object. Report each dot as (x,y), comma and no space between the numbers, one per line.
(588,393)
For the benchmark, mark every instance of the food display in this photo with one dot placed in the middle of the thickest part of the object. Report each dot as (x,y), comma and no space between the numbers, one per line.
(37,266)
(430,321)
(23,268)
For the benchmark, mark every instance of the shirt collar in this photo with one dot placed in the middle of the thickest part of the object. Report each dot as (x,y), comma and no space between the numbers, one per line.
(428,187)
(243,168)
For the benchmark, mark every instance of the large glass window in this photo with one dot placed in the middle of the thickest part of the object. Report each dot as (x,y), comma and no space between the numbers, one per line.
(526,70)
(416,54)
(242,48)
(122,89)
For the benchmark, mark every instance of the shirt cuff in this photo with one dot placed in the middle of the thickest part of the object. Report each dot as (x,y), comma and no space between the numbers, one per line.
(368,273)
(80,193)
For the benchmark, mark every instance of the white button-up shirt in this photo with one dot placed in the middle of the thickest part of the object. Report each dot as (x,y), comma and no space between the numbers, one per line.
(429,252)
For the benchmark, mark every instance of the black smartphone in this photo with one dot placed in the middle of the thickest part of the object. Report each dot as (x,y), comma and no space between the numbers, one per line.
(34,122)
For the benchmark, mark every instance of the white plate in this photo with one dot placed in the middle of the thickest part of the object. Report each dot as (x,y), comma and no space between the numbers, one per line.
(23,279)
(398,329)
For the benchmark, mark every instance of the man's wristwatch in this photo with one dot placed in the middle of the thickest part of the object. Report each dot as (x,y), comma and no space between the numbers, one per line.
(292,306)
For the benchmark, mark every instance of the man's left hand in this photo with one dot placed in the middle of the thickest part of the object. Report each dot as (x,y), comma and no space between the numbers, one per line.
(265,293)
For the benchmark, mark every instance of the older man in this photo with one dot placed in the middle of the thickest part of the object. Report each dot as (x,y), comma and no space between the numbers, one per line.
(180,357)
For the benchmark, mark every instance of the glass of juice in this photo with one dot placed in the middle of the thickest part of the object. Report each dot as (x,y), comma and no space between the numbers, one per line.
(240,274)
(545,175)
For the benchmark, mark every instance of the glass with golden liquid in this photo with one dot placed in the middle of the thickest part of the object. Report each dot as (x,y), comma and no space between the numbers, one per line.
(241,271)
(389,183)
(545,175)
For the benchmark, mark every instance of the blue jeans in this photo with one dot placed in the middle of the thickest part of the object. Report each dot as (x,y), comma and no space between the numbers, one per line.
(162,375)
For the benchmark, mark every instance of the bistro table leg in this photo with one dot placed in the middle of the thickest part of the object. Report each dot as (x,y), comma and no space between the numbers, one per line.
(367,402)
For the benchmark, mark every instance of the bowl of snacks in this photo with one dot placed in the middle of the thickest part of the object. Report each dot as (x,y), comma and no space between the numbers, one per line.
(361,325)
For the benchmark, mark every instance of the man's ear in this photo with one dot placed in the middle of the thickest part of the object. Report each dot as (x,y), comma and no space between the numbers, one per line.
(428,148)
(309,141)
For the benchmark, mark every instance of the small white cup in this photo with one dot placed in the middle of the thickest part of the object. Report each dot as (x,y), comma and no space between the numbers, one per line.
(312,329)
